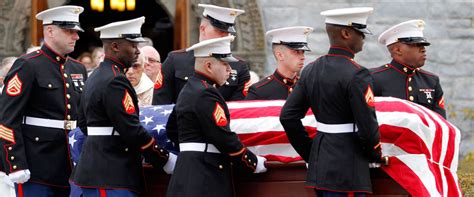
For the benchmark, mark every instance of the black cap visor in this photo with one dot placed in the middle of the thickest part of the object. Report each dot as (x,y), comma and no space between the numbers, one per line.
(414,40)
(68,25)
(225,57)
(223,26)
(299,46)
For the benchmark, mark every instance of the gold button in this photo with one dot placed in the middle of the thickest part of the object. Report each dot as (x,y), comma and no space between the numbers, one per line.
(250,160)
(12,158)
(405,69)
(429,101)
(227,83)
(62,67)
(115,66)
(156,146)
(285,81)
(65,75)
(185,78)
(50,85)
(126,149)
(386,65)
(409,79)
(80,89)
(161,150)
(254,164)
(68,106)
(291,89)
(69,117)
(14,167)
(58,58)
(409,88)
(269,78)
(68,96)
(37,51)
(412,98)
(221,167)
(37,138)
(9,148)
(245,156)
(67,85)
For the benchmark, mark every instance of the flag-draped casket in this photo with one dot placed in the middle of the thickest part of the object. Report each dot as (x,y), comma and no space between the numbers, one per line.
(423,149)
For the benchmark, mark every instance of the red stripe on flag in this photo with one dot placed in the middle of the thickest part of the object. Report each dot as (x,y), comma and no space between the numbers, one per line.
(403,138)
(403,174)
(257,112)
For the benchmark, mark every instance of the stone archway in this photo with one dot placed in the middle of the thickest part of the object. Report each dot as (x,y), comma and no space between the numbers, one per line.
(14,31)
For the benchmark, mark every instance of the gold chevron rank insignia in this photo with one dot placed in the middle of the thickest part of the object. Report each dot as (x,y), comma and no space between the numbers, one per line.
(127,103)
(7,134)
(14,86)
(369,97)
(219,116)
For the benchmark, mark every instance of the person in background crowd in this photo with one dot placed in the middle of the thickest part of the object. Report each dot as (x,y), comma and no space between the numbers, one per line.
(97,57)
(141,83)
(152,63)
(86,59)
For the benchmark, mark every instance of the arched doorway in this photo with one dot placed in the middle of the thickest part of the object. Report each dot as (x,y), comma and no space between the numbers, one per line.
(158,25)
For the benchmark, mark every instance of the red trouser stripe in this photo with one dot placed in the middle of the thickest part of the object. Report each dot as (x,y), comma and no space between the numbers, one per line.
(20,190)
(102,193)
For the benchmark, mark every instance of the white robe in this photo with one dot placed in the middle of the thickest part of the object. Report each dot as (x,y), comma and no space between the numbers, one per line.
(144,90)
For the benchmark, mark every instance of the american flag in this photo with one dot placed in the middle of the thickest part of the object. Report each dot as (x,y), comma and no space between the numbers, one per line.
(423,147)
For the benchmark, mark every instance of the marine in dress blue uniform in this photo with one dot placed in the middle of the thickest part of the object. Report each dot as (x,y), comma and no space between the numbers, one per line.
(403,77)
(39,108)
(179,65)
(111,157)
(288,45)
(210,152)
(339,91)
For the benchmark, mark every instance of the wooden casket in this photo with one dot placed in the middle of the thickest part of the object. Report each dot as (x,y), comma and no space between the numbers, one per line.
(281,180)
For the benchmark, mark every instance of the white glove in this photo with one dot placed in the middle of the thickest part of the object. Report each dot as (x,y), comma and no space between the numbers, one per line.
(20,176)
(6,179)
(260,165)
(374,165)
(169,166)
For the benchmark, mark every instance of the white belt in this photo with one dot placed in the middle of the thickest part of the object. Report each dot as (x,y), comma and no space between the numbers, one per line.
(101,131)
(50,123)
(336,128)
(200,147)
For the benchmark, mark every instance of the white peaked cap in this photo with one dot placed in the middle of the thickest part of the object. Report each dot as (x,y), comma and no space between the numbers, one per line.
(408,32)
(129,29)
(66,17)
(221,17)
(294,37)
(351,17)
(217,47)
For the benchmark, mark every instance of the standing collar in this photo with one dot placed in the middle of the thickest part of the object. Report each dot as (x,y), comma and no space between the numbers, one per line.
(204,77)
(403,67)
(334,50)
(116,62)
(285,80)
(53,55)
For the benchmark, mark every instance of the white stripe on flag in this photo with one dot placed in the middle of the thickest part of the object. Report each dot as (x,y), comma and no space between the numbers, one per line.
(262,124)
(274,149)
(256,104)
(419,165)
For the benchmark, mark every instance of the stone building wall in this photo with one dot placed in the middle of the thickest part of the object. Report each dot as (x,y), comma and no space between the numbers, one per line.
(449,28)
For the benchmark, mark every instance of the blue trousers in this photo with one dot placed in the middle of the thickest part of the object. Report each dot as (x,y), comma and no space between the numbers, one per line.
(107,193)
(29,189)
(323,193)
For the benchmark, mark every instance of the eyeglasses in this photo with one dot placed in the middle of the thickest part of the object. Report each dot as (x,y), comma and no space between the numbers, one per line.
(151,60)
